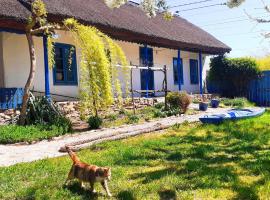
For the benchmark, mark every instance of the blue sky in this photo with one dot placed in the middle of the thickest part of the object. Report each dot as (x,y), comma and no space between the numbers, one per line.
(231,26)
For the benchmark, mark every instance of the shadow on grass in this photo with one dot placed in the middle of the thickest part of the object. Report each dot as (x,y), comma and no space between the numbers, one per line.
(85,194)
(167,195)
(125,195)
(216,157)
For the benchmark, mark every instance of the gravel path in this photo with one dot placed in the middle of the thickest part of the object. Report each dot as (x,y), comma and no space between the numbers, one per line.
(12,154)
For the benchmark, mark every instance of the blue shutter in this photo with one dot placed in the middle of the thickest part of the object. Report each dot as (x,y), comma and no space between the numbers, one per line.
(194,71)
(175,71)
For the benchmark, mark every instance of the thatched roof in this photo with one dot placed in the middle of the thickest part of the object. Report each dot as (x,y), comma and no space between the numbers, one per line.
(128,23)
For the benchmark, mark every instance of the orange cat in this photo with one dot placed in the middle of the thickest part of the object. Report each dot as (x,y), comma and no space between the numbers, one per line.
(88,173)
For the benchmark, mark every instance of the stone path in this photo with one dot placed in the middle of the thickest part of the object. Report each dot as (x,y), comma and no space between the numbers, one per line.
(12,154)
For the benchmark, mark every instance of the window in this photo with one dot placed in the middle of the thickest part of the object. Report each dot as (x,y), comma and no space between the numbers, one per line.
(65,69)
(175,71)
(194,71)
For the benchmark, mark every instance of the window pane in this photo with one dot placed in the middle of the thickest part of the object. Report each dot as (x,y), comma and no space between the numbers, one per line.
(175,71)
(194,72)
(59,67)
(65,71)
(69,52)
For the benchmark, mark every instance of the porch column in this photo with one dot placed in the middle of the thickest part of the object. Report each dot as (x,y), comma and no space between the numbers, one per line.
(46,68)
(201,70)
(179,68)
(146,64)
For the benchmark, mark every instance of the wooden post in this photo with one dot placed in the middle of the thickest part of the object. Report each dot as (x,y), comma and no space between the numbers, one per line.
(131,89)
(166,87)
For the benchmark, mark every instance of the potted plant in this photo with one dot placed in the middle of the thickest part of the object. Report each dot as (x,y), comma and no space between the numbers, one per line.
(203,104)
(215,103)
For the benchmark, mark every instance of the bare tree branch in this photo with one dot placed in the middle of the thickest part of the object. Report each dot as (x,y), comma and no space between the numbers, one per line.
(47,28)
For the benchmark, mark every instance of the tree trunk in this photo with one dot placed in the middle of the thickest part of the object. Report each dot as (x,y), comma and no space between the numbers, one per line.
(30,79)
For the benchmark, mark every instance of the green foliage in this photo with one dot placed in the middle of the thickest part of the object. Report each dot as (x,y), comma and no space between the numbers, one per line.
(179,101)
(51,52)
(43,112)
(95,122)
(232,76)
(133,119)
(228,161)
(263,63)
(13,133)
(159,113)
(98,76)
(159,105)
(236,102)
(234,3)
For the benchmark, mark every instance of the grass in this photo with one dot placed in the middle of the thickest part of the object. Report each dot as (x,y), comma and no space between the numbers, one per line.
(13,133)
(189,161)
(142,115)
(237,102)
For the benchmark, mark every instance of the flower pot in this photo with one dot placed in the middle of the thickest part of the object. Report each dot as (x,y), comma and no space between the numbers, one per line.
(214,103)
(203,106)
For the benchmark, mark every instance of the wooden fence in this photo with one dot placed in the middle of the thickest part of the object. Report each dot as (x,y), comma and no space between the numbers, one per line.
(259,90)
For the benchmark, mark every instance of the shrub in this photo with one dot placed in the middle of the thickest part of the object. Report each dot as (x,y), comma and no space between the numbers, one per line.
(232,76)
(132,119)
(179,101)
(94,122)
(159,114)
(159,105)
(44,112)
(264,63)
(112,117)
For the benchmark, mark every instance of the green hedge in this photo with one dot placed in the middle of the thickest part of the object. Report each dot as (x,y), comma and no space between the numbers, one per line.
(233,75)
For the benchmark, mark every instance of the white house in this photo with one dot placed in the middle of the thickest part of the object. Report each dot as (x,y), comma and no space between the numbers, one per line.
(178,44)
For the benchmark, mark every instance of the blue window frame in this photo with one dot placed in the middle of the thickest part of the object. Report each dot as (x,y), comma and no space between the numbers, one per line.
(194,71)
(65,69)
(175,72)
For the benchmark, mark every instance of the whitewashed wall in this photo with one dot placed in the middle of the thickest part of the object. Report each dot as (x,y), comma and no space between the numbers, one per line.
(161,57)
(16,64)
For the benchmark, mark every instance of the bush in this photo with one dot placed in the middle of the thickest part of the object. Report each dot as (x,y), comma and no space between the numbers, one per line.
(179,101)
(159,114)
(94,122)
(159,105)
(232,76)
(44,112)
(133,119)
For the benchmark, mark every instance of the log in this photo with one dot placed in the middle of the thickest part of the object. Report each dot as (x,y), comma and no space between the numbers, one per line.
(76,146)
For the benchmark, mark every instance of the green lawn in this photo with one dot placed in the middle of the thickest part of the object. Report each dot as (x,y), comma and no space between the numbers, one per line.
(191,161)
(13,133)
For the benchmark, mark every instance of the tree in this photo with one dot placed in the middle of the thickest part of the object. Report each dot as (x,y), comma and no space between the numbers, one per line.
(37,24)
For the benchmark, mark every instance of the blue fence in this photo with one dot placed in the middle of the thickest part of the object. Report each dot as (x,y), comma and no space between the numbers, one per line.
(11,98)
(259,90)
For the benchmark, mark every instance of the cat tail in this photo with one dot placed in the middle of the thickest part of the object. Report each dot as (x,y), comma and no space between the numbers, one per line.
(72,155)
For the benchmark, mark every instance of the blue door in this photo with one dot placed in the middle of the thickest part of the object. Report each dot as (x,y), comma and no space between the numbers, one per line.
(147,76)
